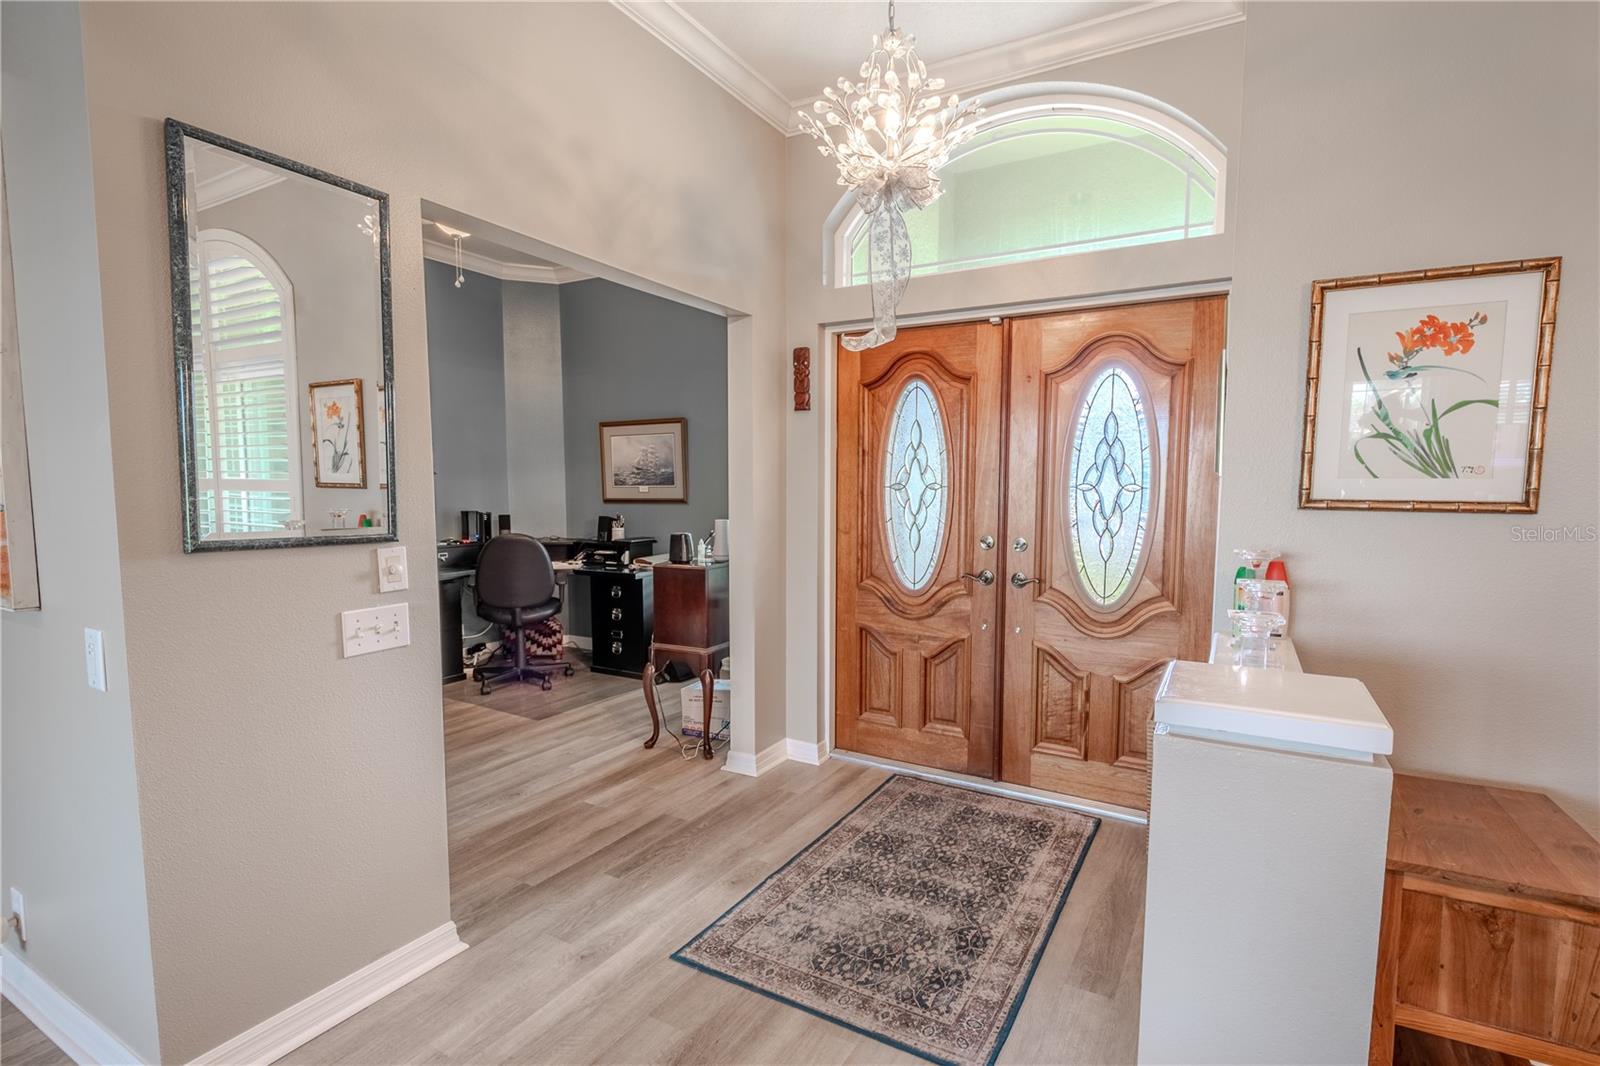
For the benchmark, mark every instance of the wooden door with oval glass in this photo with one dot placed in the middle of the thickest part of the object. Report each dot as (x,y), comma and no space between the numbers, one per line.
(915,635)
(1110,534)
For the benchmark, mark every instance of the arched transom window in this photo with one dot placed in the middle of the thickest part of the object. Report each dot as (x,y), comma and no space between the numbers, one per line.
(1054,173)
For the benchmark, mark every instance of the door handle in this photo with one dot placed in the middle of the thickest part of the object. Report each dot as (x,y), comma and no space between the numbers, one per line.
(1019,580)
(982,577)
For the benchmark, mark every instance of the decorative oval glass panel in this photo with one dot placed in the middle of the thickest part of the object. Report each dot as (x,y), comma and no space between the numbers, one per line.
(916,491)
(1110,487)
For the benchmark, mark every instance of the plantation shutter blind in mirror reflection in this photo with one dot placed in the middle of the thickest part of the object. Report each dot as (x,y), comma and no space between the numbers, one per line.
(246,451)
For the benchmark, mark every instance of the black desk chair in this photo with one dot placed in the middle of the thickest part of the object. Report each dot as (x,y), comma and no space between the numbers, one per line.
(516,587)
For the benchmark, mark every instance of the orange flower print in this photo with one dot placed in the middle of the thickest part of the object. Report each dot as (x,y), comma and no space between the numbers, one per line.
(1433,332)
(331,410)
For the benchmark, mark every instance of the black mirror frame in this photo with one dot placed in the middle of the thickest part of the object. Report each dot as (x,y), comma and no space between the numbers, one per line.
(183,348)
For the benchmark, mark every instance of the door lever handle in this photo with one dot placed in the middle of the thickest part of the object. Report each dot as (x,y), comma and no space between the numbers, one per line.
(982,577)
(1019,580)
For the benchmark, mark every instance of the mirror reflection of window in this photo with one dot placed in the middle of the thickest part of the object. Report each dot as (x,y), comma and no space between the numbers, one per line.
(287,310)
(247,425)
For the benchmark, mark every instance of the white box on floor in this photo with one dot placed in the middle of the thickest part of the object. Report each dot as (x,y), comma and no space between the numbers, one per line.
(692,697)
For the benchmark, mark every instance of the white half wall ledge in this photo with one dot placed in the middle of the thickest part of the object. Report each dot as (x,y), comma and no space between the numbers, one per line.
(739,762)
(70,1027)
(321,1011)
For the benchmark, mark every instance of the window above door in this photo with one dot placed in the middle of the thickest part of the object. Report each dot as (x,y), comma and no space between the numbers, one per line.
(1055,169)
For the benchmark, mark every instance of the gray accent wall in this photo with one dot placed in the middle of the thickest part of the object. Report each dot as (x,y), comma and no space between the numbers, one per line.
(467,383)
(628,355)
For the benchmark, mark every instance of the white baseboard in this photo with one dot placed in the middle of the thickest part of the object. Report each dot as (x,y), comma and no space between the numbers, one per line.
(810,754)
(68,1025)
(581,643)
(759,763)
(321,1011)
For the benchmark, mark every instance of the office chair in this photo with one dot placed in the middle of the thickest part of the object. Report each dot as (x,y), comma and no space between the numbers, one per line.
(515,586)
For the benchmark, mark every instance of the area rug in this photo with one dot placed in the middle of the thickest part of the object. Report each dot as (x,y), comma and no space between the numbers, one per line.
(918,919)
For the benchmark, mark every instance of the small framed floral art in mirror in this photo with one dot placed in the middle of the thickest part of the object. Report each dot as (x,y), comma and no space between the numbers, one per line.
(1428,390)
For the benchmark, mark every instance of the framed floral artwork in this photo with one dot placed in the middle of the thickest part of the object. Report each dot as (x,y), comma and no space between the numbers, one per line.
(1427,390)
(338,437)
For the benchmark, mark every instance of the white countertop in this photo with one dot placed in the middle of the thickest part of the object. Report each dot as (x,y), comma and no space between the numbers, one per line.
(1275,706)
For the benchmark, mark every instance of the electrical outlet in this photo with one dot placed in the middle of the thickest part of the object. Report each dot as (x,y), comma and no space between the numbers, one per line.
(393,575)
(94,659)
(375,629)
(19,917)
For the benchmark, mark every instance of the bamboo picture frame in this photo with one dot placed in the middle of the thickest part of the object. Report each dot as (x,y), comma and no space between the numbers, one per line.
(338,434)
(1475,343)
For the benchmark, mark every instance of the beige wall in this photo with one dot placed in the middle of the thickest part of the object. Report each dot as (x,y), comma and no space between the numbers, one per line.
(1362,153)
(67,784)
(292,802)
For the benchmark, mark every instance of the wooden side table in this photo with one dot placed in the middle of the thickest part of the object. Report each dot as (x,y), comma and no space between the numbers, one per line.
(691,626)
(1491,924)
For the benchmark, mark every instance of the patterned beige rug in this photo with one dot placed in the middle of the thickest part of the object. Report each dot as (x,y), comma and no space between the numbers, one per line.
(918,919)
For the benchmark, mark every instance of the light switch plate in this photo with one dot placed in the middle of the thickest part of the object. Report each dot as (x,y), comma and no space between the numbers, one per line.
(94,659)
(375,629)
(393,574)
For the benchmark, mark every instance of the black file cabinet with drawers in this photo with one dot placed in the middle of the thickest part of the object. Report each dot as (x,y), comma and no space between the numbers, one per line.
(622,617)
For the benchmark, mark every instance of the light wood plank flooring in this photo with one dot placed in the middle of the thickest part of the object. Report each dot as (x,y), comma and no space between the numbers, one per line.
(580,861)
(22,1044)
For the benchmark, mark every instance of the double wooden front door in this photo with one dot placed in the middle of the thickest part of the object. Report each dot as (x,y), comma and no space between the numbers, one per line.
(1026,517)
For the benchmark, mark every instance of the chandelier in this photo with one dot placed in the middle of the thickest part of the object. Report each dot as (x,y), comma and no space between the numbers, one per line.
(889,134)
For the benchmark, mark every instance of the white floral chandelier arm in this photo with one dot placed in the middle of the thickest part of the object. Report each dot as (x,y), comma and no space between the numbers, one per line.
(889,134)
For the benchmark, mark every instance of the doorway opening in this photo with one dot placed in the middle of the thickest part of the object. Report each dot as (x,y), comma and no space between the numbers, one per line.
(580,422)
(1026,521)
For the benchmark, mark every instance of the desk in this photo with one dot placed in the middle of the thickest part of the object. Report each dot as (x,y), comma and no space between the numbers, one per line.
(691,626)
(564,548)
(450,582)
(1491,923)
(621,614)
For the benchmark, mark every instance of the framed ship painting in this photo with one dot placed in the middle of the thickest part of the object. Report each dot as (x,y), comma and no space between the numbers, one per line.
(644,461)
(1427,391)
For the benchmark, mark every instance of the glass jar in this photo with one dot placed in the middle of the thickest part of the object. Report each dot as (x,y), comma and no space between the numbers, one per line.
(1252,644)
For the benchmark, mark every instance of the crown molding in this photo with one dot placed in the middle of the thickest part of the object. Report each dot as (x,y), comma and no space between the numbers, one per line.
(440,252)
(1119,31)
(679,31)
(233,183)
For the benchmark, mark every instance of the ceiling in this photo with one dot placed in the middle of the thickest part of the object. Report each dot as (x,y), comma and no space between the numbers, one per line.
(776,56)
(800,47)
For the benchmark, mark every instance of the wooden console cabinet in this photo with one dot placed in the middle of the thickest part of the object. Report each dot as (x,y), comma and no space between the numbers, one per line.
(691,627)
(1491,924)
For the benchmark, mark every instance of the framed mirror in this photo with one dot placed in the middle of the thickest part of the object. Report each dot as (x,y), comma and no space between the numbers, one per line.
(282,332)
